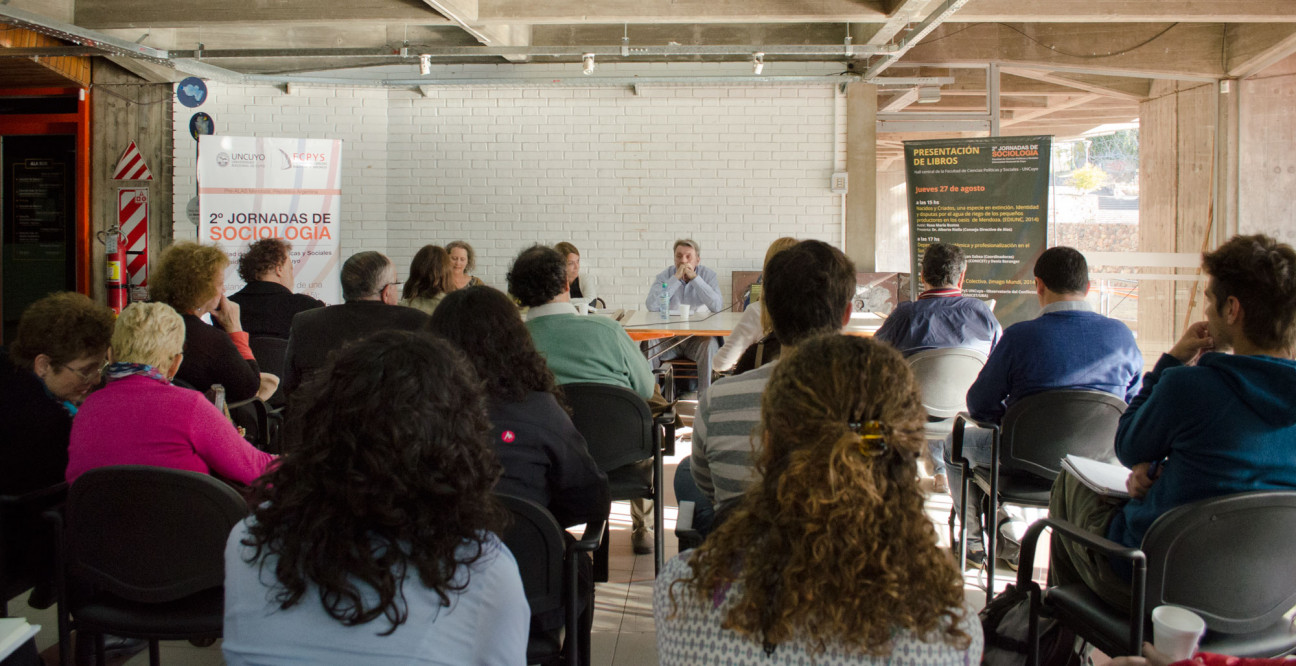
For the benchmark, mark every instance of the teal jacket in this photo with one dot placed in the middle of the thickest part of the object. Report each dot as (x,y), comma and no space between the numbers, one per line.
(1226,425)
(590,348)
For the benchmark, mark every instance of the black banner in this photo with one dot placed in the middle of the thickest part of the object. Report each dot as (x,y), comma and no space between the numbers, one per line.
(989,196)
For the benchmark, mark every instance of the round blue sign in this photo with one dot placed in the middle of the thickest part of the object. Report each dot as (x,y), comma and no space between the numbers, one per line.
(191,92)
(201,123)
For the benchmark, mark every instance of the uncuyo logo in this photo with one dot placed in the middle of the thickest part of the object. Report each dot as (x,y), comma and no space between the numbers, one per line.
(222,159)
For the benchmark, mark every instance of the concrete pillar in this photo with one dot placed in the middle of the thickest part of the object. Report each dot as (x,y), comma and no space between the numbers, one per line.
(861,165)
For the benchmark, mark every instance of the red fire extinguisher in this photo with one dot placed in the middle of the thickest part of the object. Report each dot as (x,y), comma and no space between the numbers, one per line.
(115,264)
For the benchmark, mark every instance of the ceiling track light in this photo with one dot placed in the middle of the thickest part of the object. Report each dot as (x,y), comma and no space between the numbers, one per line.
(588,61)
(758,63)
(425,64)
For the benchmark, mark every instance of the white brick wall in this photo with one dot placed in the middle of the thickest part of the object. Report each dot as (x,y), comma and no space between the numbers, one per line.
(619,175)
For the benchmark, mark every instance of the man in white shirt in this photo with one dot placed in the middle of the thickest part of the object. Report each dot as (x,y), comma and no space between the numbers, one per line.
(692,284)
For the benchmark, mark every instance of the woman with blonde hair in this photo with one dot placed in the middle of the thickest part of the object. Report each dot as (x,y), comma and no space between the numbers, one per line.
(462,262)
(755,324)
(139,418)
(429,279)
(829,557)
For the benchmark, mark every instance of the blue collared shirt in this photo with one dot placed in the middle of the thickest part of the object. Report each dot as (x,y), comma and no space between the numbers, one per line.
(939,319)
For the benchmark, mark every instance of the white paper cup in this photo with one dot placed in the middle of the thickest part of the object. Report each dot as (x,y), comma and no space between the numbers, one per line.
(1175,631)
(582,308)
(684,311)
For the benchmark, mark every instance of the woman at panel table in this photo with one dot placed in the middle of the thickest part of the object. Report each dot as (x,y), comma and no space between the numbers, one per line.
(140,418)
(754,324)
(373,542)
(462,262)
(830,557)
(582,286)
(429,279)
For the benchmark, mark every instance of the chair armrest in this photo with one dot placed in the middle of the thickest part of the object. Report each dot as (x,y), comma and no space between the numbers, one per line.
(592,538)
(960,423)
(54,494)
(1138,586)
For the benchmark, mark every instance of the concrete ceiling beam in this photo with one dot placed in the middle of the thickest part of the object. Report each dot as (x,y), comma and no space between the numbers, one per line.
(105,14)
(571,12)
(1127,11)
(1251,48)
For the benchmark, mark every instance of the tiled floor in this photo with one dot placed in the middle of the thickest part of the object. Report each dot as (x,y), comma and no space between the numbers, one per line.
(624,634)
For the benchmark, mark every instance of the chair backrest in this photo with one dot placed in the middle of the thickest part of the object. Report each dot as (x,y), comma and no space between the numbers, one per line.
(1038,431)
(149,534)
(944,377)
(1228,559)
(269,352)
(536,541)
(615,421)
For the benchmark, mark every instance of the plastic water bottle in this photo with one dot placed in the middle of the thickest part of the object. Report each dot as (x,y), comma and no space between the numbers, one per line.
(663,303)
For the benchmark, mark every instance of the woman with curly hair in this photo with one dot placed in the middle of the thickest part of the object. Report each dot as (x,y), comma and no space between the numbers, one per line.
(829,558)
(191,278)
(429,279)
(545,458)
(372,542)
(462,262)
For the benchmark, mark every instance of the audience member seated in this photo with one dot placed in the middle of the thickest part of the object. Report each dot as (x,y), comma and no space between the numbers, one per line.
(754,323)
(581,348)
(688,283)
(267,303)
(585,286)
(1216,416)
(429,279)
(463,260)
(56,357)
(830,557)
(370,292)
(139,418)
(545,459)
(1068,346)
(808,291)
(942,317)
(373,541)
(191,278)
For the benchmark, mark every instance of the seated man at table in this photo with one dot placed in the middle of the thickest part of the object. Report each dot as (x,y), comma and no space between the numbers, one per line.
(692,284)
(580,348)
(370,291)
(267,303)
(1068,346)
(942,317)
(1216,416)
(808,290)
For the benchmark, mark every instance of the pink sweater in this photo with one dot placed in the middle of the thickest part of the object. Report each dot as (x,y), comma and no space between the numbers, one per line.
(141,421)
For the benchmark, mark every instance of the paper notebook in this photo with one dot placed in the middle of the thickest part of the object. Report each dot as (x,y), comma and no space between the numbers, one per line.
(14,631)
(1103,478)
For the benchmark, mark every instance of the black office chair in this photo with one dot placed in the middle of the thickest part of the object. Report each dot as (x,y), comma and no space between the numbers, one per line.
(548,561)
(944,377)
(26,542)
(1228,559)
(626,443)
(1026,454)
(141,555)
(270,353)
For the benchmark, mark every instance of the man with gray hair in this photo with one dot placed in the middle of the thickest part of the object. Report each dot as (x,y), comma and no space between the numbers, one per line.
(370,291)
(687,282)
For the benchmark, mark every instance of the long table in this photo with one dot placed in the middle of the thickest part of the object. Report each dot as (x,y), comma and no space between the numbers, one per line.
(646,325)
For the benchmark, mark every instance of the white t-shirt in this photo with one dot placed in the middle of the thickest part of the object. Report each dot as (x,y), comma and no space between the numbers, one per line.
(487,623)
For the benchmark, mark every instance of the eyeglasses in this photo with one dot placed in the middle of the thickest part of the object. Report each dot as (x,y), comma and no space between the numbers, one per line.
(91,375)
(392,284)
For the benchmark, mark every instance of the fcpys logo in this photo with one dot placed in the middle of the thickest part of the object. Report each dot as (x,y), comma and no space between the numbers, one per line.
(303,160)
